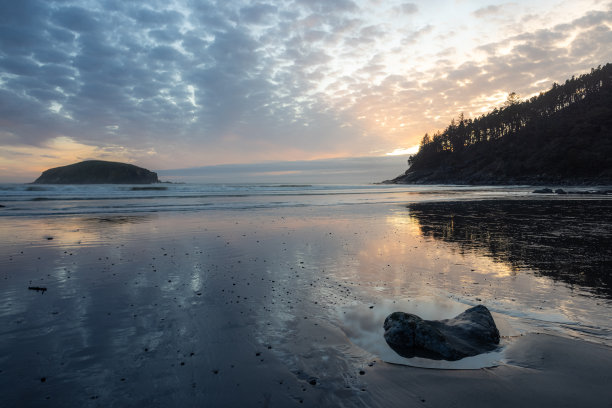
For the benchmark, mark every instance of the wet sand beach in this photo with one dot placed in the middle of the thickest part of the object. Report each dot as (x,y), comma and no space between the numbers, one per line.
(282,307)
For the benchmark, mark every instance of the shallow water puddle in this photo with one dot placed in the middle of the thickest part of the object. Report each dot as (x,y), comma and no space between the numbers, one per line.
(363,324)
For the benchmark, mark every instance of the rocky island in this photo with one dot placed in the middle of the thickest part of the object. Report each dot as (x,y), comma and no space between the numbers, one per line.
(97,172)
(559,137)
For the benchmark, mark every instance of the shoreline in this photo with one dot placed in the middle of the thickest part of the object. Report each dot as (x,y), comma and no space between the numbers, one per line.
(497,182)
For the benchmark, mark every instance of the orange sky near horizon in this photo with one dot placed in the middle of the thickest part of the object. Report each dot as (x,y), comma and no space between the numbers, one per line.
(168,86)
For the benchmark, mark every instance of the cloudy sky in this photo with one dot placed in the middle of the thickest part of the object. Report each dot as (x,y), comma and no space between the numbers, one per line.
(187,83)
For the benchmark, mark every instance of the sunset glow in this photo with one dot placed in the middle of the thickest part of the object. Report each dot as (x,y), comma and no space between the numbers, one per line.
(173,85)
(400,151)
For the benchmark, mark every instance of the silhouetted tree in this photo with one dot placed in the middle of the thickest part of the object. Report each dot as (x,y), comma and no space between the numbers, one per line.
(581,107)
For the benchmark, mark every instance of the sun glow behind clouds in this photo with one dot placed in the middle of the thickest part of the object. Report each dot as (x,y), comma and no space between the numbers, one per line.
(291,80)
(31,161)
(403,151)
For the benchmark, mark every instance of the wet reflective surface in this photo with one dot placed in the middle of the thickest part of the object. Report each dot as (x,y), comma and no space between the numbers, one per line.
(569,241)
(269,307)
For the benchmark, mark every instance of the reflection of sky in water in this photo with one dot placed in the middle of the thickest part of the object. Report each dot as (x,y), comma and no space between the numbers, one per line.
(567,241)
(166,286)
(70,232)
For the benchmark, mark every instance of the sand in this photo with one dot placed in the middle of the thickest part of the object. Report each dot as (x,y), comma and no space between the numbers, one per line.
(242,309)
(543,371)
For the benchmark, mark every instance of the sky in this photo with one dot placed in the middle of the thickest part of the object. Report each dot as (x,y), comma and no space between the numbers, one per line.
(347,170)
(175,84)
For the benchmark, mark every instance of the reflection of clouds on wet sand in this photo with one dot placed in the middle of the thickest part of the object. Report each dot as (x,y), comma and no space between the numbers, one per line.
(567,241)
(212,308)
(71,232)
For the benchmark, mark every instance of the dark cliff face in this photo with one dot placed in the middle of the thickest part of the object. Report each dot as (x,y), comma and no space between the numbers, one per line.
(98,172)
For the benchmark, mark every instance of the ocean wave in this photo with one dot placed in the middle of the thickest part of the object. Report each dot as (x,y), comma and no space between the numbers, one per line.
(52,200)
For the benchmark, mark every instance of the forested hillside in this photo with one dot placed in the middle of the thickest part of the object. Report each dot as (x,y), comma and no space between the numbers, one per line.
(561,136)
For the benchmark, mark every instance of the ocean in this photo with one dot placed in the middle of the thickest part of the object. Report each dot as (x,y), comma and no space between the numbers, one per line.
(30,200)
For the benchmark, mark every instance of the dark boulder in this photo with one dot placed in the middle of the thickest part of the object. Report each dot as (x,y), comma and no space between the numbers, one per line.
(543,191)
(98,172)
(468,334)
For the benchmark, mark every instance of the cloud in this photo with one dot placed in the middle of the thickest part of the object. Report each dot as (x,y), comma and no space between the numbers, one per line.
(346,170)
(260,13)
(328,6)
(152,18)
(487,11)
(165,53)
(408,8)
(211,82)
(76,19)
(415,36)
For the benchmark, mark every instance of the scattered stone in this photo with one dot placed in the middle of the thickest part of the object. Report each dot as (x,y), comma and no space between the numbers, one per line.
(468,334)
(37,288)
(543,191)
(590,192)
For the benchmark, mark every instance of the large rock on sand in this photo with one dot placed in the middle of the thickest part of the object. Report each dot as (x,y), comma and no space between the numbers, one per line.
(468,334)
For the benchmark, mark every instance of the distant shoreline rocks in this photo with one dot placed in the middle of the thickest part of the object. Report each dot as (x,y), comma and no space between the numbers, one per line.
(98,172)
(457,177)
(564,192)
